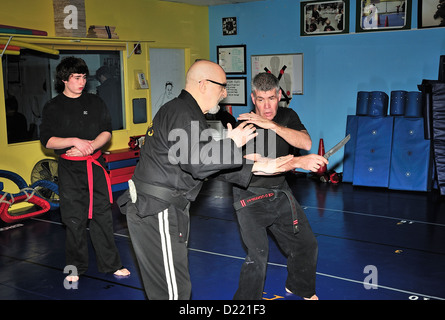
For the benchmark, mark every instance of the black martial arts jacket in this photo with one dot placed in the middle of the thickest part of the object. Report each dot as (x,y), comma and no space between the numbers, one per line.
(179,154)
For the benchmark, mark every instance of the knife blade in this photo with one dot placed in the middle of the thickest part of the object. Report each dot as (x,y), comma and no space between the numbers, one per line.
(337,147)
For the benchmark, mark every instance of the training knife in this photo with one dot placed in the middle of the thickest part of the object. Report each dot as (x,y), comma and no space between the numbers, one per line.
(337,147)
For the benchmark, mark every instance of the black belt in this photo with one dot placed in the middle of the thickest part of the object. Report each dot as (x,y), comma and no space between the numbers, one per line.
(171,196)
(266,193)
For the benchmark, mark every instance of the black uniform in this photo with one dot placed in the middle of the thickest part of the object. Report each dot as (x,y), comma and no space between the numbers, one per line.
(268,203)
(173,163)
(84,117)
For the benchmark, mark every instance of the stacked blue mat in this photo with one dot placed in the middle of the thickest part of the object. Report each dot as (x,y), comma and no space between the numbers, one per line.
(388,151)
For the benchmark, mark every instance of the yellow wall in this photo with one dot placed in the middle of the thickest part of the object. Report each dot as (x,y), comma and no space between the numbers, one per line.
(156,23)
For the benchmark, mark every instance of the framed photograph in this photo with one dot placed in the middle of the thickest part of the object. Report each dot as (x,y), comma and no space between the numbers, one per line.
(232,58)
(377,15)
(236,92)
(431,14)
(288,68)
(324,17)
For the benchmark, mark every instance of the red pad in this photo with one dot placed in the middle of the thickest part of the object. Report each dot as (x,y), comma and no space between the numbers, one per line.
(120,179)
(13,48)
(121,154)
(121,171)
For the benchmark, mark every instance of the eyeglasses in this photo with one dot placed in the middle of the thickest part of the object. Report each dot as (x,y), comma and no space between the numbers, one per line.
(224,85)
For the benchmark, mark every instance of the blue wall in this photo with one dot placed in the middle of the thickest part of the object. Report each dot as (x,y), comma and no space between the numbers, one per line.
(335,66)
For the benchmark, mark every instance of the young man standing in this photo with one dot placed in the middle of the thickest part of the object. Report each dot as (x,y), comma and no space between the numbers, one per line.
(77,125)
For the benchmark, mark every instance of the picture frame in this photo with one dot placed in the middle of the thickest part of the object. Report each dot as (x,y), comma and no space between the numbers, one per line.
(229,26)
(232,59)
(236,92)
(378,15)
(288,68)
(430,14)
(324,17)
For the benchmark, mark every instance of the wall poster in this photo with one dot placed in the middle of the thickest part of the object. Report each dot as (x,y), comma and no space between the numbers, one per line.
(288,68)
(431,14)
(232,58)
(70,18)
(167,76)
(236,92)
(375,15)
(324,17)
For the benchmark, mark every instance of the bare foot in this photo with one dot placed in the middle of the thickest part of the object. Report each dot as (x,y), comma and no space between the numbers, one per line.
(122,272)
(72,278)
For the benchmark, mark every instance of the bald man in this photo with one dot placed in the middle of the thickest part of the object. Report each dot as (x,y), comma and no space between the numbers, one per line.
(177,155)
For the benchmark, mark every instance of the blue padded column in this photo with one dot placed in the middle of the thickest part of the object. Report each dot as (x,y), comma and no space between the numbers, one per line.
(413,104)
(362,103)
(410,157)
(398,103)
(378,104)
(373,151)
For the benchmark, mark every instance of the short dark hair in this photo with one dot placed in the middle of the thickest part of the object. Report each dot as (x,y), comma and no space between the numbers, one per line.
(265,81)
(66,68)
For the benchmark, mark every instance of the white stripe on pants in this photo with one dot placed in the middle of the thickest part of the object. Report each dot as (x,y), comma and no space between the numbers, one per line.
(167,255)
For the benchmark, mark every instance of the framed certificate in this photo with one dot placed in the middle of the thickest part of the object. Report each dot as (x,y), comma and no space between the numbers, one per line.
(232,58)
(236,92)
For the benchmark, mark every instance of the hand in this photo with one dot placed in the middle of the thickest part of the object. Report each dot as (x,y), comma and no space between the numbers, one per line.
(74,152)
(81,148)
(256,157)
(311,162)
(257,120)
(268,166)
(241,134)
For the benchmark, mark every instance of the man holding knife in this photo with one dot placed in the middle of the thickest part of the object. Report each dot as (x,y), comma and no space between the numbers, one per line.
(268,204)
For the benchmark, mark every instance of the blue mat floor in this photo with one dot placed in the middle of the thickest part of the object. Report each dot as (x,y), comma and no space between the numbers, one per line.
(396,237)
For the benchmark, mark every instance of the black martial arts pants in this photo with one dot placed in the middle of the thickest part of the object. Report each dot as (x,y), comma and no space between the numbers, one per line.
(160,244)
(301,249)
(74,203)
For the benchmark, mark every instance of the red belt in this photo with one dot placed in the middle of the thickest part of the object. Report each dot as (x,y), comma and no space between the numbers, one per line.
(90,160)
